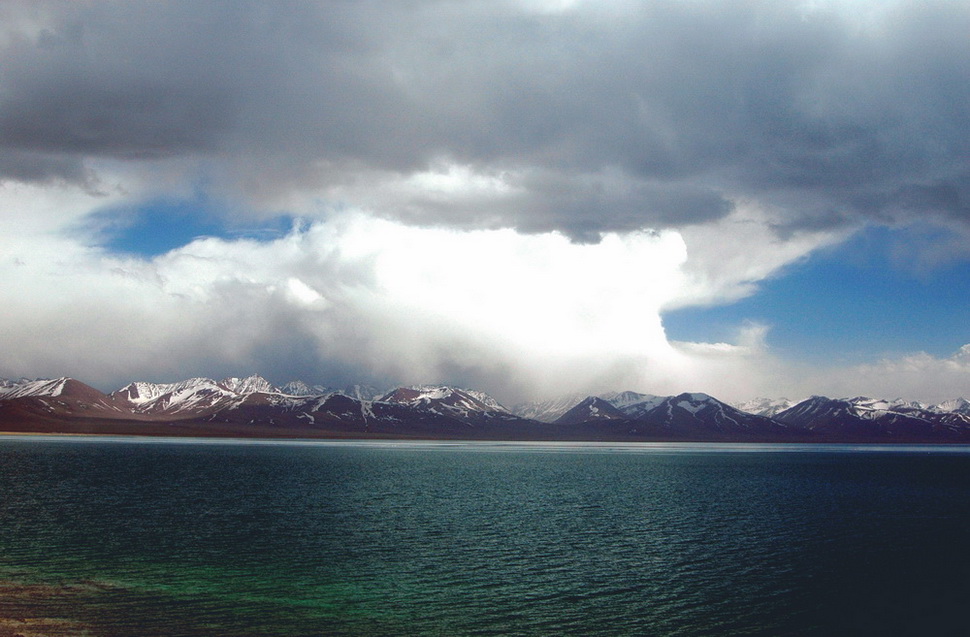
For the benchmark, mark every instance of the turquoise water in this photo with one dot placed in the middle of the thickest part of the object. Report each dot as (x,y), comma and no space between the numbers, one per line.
(129,537)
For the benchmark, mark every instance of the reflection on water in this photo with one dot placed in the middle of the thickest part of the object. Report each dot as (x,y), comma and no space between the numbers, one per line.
(152,538)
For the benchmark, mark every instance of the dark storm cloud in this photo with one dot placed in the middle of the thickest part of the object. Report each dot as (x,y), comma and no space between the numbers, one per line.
(583,201)
(39,167)
(836,113)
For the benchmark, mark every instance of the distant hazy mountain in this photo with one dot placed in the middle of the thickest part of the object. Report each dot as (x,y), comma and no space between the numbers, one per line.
(591,409)
(252,406)
(553,410)
(764,406)
(299,388)
(548,410)
(865,418)
(699,416)
(956,406)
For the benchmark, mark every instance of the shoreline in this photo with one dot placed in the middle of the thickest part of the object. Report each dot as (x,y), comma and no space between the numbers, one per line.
(514,445)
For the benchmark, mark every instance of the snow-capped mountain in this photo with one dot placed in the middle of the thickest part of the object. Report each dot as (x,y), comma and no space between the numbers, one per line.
(553,410)
(249,385)
(171,398)
(765,406)
(26,387)
(867,418)
(702,415)
(49,399)
(626,399)
(299,388)
(692,415)
(591,409)
(252,406)
(451,402)
(639,409)
(205,396)
(547,410)
(254,402)
(192,397)
(955,406)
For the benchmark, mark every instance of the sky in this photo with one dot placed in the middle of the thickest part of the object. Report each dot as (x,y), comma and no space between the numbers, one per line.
(528,198)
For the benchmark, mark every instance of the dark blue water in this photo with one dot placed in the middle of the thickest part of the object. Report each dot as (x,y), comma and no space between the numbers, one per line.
(138,538)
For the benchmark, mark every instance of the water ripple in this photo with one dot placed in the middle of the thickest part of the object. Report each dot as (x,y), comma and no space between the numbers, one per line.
(153,539)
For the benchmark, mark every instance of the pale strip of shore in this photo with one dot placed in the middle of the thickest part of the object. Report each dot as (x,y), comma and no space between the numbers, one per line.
(558,446)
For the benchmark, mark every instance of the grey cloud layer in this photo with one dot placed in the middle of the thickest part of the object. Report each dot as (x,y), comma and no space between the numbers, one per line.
(834,114)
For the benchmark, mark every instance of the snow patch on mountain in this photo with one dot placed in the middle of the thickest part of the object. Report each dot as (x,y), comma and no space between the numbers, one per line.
(429,396)
(140,393)
(300,388)
(250,384)
(863,415)
(624,399)
(592,408)
(631,403)
(254,399)
(765,406)
(872,408)
(954,406)
(23,388)
(548,410)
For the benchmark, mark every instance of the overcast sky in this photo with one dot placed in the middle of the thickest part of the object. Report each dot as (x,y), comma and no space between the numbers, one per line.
(529,198)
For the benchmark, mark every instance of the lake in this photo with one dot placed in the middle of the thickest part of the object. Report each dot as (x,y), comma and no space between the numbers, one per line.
(176,537)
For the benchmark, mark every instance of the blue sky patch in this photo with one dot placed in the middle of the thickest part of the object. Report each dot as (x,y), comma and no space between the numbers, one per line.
(162,225)
(848,304)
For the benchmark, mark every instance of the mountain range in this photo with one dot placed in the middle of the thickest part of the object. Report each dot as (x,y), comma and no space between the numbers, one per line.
(253,407)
